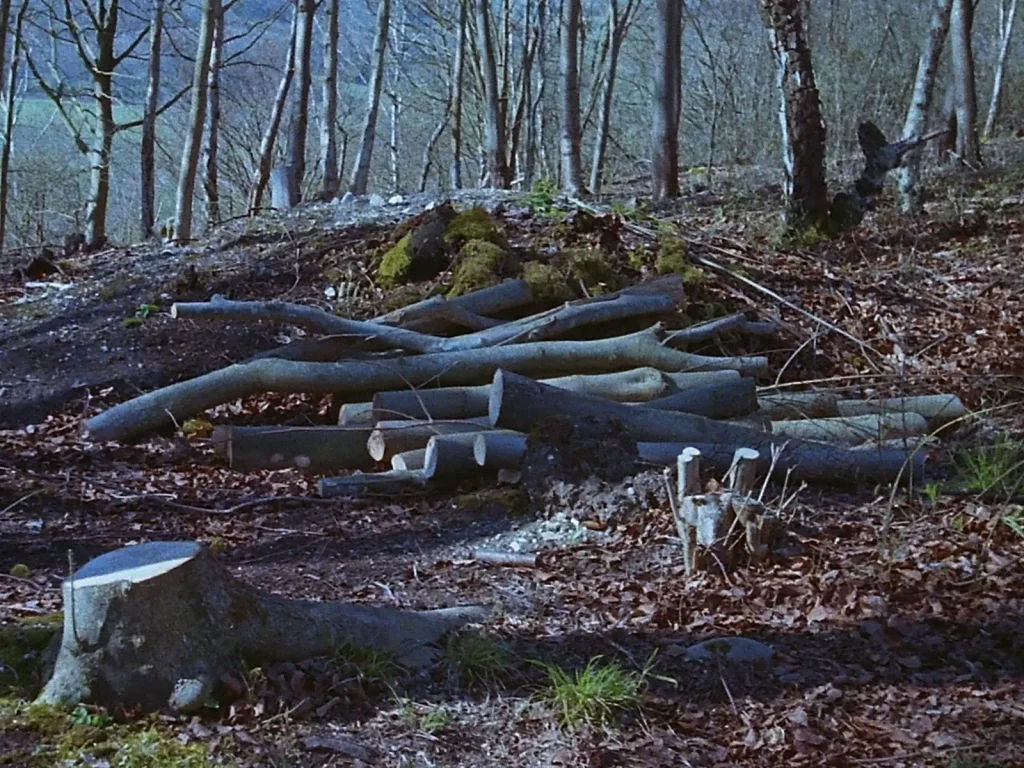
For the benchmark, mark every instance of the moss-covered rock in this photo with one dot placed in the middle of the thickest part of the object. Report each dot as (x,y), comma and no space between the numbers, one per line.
(591,267)
(478,265)
(394,267)
(546,283)
(673,257)
(23,654)
(474,224)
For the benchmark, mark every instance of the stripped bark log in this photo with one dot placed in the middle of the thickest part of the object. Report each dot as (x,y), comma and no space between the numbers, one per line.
(391,437)
(853,430)
(313,449)
(517,403)
(715,401)
(174,403)
(391,483)
(940,410)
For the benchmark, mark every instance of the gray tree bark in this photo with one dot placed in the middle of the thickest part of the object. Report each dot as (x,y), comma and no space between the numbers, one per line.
(361,172)
(1007,15)
(147,152)
(617,27)
(304,82)
(211,136)
(803,130)
(196,120)
(10,104)
(455,172)
(667,100)
(572,163)
(961,24)
(328,134)
(496,174)
(909,184)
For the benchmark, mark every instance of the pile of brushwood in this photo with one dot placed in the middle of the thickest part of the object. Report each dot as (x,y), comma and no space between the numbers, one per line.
(441,391)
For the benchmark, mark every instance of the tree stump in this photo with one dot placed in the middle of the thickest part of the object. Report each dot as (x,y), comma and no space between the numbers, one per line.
(717,528)
(156,625)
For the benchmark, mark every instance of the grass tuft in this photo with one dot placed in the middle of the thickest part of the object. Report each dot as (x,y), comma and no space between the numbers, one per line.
(478,659)
(595,695)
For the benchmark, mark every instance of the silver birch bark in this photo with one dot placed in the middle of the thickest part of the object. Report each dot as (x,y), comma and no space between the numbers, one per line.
(211,136)
(1007,15)
(572,164)
(455,171)
(361,171)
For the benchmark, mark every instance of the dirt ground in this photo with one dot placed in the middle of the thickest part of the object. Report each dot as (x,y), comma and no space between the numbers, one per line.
(896,620)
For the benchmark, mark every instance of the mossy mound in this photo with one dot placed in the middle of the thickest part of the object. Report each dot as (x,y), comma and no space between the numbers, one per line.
(546,283)
(673,258)
(23,654)
(479,265)
(591,267)
(394,267)
(474,224)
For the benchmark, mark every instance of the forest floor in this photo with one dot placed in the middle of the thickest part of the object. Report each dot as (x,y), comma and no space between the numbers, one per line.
(897,621)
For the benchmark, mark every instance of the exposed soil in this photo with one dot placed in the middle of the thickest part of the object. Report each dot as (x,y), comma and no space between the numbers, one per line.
(897,622)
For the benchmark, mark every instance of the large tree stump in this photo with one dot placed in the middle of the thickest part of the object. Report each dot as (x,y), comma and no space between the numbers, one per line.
(156,625)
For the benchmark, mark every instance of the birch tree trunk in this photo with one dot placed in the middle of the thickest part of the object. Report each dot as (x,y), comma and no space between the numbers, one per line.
(908,181)
(961,24)
(572,164)
(667,99)
(494,126)
(455,171)
(266,157)
(196,120)
(9,104)
(304,80)
(361,171)
(328,136)
(147,151)
(617,26)
(211,136)
(1006,19)
(803,130)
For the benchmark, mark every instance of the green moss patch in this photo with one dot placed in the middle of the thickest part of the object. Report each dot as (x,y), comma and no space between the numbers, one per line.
(394,267)
(22,655)
(593,270)
(479,265)
(474,224)
(546,283)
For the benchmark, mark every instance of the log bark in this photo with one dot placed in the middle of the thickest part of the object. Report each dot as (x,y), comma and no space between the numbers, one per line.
(174,403)
(117,650)
(940,410)
(510,559)
(853,430)
(715,401)
(391,483)
(356,415)
(391,437)
(312,449)
(737,323)
(451,457)
(518,403)
(798,405)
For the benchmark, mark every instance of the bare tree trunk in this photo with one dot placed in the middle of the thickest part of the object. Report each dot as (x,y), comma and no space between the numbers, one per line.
(522,97)
(211,138)
(99,157)
(9,104)
(456,97)
(396,170)
(361,172)
(494,126)
(534,132)
(1006,19)
(667,99)
(803,130)
(961,23)
(920,104)
(266,158)
(428,149)
(197,117)
(617,26)
(328,140)
(572,163)
(304,80)
(148,148)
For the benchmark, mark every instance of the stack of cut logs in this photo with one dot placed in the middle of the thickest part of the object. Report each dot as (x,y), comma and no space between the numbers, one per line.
(441,391)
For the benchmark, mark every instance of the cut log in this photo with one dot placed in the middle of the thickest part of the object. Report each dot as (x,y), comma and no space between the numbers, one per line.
(313,449)
(356,415)
(500,449)
(517,403)
(177,402)
(853,430)
(390,483)
(712,328)
(407,461)
(798,405)
(737,397)
(510,559)
(391,437)
(940,410)
(468,402)
(453,457)
(156,625)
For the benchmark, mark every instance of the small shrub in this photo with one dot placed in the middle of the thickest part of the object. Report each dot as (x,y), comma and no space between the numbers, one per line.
(540,199)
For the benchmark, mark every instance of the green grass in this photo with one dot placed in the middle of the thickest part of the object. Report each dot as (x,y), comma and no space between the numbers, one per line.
(597,694)
(478,659)
(372,667)
(991,468)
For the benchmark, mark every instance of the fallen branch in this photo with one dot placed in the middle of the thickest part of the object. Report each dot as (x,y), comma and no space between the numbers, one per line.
(737,397)
(390,483)
(177,402)
(510,559)
(798,405)
(718,326)
(940,410)
(851,430)
(492,300)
